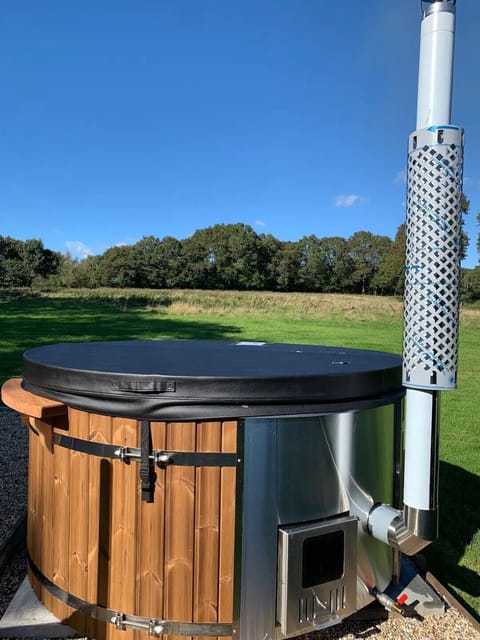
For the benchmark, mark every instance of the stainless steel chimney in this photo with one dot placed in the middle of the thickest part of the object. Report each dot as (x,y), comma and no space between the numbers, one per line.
(432,275)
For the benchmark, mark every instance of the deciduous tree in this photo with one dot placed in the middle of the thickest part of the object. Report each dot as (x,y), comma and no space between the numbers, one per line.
(390,277)
(367,251)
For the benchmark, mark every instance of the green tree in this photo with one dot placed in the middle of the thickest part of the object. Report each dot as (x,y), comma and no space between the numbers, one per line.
(464,239)
(226,256)
(51,263)
(237,253)
(117,267)
(24,262)
(159,262)
(390,277)
(173,261)
(339,263)
(66,271)
(470,285)
(77,274)
(87,273)
(367,251)
(271,252)
(198,270)
(11,264)
(314,267)
(33,260)
(478,237)
(150,267)
(288,265)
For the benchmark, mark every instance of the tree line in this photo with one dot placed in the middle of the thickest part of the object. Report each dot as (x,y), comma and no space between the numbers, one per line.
(235,257)
(225,256)
(24,263)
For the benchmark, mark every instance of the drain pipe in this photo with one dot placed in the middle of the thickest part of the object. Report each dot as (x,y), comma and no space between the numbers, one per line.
(432,284)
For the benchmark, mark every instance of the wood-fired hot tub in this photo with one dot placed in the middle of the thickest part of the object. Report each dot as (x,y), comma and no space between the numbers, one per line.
(146,472)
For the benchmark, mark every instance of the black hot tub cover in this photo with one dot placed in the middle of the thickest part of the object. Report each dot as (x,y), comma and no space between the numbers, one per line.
(204,379)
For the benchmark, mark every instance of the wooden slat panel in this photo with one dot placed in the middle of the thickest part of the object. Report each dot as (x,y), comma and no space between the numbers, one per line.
(28,403)
(207,522)
(79,517)
(179,527)
(35,503)
(227,526)
(122,573)
(46,509)
(170,559)
(99,543)
(151,539)
(60,540)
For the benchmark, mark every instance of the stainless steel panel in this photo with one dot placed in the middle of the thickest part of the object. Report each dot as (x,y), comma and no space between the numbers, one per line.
(259,532)
(303,469)
(372,468)
(309,485)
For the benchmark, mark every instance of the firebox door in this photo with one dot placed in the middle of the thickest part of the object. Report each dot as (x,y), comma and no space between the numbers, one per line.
(317,574)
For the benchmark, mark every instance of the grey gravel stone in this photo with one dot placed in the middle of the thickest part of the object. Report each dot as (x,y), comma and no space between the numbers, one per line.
(13,469)
(449,626)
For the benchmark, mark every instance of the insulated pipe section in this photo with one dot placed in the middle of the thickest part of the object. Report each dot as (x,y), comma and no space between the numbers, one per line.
(436,65)
(432,275)
(420,491)
(417,526)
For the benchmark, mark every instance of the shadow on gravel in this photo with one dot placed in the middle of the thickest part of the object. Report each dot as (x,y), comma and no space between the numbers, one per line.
(459,524)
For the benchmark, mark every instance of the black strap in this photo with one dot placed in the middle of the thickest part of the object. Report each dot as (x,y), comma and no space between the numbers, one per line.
(133,454)
(147,470)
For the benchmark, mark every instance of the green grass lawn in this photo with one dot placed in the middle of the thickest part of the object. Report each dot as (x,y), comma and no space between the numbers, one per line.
(350,321)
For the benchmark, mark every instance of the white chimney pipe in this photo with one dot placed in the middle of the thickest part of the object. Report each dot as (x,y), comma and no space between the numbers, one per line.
(432,284)
(435,69)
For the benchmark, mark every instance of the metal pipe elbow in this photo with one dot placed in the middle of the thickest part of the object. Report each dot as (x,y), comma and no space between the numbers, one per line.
(409,531)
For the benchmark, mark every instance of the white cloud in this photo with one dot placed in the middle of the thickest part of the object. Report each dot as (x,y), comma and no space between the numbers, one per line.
(78,250)
(260,223)
(123,243)
(347,200)
(400,177)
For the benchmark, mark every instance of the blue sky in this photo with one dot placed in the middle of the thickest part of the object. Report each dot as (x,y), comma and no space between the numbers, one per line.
(147,117)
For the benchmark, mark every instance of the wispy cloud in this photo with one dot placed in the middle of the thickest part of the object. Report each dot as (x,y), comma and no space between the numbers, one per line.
(78,250)
(347,200)
(471,183)
(123,243)
(260,223)
(400,177)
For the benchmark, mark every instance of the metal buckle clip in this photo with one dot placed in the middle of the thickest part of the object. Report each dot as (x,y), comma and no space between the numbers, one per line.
(119,621)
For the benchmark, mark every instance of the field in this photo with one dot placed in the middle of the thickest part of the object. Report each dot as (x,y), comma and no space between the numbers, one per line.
(351,321)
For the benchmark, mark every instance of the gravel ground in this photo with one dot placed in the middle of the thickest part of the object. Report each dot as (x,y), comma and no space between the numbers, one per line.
(450,626)
(13,465)
(13,469)
(11,578)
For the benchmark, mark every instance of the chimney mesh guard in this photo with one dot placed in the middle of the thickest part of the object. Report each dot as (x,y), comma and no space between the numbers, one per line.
(432,266)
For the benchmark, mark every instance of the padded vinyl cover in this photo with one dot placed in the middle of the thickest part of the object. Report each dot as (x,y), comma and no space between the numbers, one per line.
(164,380)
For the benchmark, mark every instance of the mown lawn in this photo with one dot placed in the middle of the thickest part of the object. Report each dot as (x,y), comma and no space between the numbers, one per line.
(351,321)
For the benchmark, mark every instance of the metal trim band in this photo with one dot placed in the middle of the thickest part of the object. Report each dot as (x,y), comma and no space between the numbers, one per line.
(133,454)
(122,621)
(438,7)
